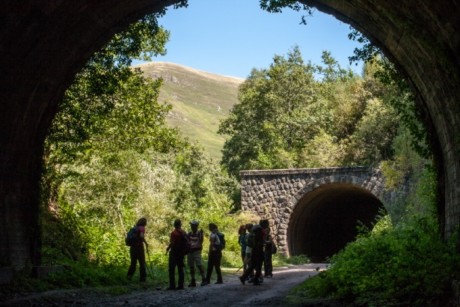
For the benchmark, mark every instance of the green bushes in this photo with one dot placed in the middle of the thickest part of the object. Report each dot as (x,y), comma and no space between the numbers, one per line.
(408,264)
(403,261)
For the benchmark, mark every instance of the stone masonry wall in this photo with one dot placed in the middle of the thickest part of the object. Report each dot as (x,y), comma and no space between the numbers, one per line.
(273,194)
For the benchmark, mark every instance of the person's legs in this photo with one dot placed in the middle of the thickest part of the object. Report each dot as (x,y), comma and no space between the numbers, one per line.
(249,269)
(198,261)
(132,266)
(199,264)
(171,269)
(218,258)
(243,259)
(250,266)
(180,267)
(142,265)
(210,267)
(258,259)
(201,269)
(263,262)
(191,265)
(268,264)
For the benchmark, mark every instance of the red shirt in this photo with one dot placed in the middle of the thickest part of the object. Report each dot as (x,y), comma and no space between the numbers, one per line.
(175,240)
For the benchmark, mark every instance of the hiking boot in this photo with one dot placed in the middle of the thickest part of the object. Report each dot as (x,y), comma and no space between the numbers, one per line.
(242,279)
(192,284)
(171,288)
(204,283)
(180,288)
(219,282)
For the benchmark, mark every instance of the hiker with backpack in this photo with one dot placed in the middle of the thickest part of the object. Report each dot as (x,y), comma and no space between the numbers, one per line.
(269,248)
(242,243)
(216,245)
(194,256)
(256,243)
(135,239)
(248,252)
(178,247)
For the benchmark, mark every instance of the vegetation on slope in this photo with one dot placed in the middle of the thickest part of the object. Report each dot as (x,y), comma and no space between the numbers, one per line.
(200,100)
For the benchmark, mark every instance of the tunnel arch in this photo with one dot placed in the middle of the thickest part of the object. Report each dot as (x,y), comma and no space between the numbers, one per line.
(293,200)
(325,219)
(44,44)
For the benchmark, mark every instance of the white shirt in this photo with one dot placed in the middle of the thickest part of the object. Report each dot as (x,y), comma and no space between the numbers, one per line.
(214,240)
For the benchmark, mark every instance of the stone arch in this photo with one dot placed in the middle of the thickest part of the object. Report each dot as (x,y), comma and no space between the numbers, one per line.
(373,184)
(44,44)
(325,215)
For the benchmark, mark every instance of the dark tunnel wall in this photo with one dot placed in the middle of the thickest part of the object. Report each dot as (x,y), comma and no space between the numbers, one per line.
(45,43)
(326,219)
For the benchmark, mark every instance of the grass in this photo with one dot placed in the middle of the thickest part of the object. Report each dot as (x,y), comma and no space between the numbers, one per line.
(200,101)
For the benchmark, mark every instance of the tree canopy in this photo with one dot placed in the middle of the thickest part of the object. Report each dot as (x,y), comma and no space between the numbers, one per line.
(296,114)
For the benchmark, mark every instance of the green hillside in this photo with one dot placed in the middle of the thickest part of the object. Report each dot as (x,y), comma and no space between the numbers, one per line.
(200,100)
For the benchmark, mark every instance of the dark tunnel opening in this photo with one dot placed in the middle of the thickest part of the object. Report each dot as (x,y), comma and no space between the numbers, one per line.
(325,220)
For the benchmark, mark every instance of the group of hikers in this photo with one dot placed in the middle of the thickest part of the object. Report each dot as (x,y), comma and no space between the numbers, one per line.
(257,249)
(255,241)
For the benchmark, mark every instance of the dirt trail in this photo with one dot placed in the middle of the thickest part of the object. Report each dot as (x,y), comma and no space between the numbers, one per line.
(231,293)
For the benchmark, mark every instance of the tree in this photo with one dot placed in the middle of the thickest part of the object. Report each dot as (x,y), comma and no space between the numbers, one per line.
(301,115)
(277,6)
(89,98)
(107,109)
(278,111)
(402,99)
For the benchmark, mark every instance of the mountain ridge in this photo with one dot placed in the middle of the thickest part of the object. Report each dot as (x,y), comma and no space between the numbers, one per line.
(200,101)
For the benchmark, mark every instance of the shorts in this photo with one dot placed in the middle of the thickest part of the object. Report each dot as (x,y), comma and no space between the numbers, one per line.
(194,258)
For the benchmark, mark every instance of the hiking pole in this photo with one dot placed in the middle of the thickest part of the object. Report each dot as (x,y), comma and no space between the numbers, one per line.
(150,266)
(245,262)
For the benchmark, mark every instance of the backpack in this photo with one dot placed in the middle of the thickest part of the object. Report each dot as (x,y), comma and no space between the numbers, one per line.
(131,236)
(221,244)
(271,247)
(274,249)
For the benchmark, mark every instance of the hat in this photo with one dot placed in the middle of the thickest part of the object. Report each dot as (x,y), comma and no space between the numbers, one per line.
(194,222)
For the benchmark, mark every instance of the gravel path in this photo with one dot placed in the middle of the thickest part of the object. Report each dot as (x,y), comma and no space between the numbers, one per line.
(231,293)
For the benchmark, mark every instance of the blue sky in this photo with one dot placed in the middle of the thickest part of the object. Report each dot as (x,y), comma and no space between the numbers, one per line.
(230,37)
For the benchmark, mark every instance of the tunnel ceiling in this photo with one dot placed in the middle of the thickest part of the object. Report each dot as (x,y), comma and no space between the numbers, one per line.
(326,219)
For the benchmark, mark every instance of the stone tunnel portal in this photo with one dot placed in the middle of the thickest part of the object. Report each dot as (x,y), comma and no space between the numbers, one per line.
(326,219)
